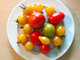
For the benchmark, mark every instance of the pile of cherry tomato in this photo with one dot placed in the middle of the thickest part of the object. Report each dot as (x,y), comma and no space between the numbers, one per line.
(33,19)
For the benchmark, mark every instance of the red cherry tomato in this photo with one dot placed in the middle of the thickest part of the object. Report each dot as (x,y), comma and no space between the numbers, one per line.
(44,49)
(56,18)
(36,20)
(35,38)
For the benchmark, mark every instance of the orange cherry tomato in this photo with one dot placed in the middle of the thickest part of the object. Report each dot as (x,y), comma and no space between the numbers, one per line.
(49,10)
(28,10)
(60,30)
(29,45)
(38,7)
(22,19)
(22,38)
(27,29)
(57,41)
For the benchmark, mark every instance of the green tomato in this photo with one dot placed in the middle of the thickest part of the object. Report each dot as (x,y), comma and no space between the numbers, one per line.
(49,30)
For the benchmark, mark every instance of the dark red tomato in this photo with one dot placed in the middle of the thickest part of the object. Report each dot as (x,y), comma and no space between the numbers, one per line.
(44,49)
(56,18)
(34,38)
(36,20)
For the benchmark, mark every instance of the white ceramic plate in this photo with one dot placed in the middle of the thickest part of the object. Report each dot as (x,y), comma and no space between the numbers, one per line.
(55,53)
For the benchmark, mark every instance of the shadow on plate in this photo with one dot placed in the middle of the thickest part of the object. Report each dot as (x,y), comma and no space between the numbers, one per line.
(76,42)
(56,52)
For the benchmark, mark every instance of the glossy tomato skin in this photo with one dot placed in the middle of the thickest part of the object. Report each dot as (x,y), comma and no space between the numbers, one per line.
(22,19)
(60,30)
(49,10)
(56,18)
(36,20)
(44,40)
(57,41)
(28,10)
(27,29)
(22,38)
(29,45)
(44,49)
(49,30)
(38,7)
(35,38)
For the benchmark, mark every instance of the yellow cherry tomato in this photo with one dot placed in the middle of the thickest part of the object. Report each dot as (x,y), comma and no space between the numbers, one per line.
(38,7)
(22,19)
(29,45)
(28,10)
(27,29)
(60,30)
(22,38)
(57,41)
(49,10)
(44,40)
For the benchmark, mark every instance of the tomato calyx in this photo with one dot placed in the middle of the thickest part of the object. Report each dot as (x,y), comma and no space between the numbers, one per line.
(42,12)
(32,30)
(41,22)
(39,48)
(59,47)
(18,42)
(63,36)
(17,21)
(20,27)
(23,7)
(48,21)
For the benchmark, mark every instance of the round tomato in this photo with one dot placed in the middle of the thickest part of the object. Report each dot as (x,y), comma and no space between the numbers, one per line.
(44,49)
(57,41)
(60,30)
(28,10)
(22,19)
(22,38)
(36,20)
(49,10)
(35,38)
(38,7)
(29,45)
(56,18)
(27,29)
(49,30)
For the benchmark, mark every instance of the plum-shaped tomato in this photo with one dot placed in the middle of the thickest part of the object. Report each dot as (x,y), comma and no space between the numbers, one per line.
(56,18)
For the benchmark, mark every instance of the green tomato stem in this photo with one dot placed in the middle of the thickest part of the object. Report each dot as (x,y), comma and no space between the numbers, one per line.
(42,12)
(59,47)
(17,21)
(63,36)
(18,42)
(20,27)
(22,7)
